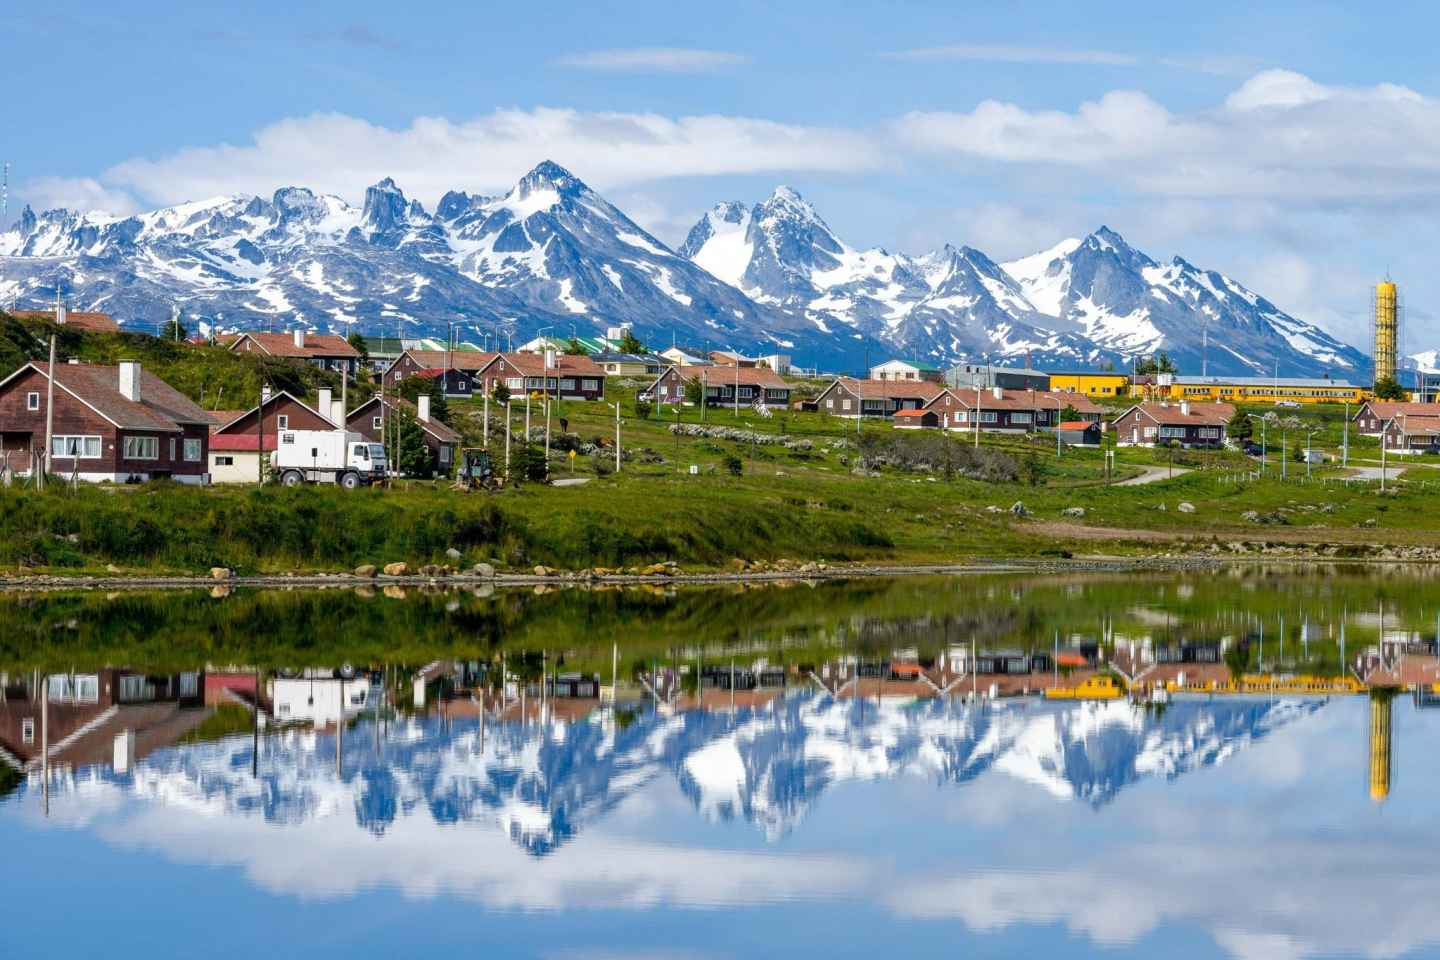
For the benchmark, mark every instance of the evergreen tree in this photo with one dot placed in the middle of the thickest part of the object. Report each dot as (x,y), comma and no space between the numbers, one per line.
(574,349)
(361,347)
(630,343)
(1388,388)
(413,458)
(1241,427)
(412,388)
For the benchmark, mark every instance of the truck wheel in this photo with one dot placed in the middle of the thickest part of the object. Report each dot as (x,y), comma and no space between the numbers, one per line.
(350,481)
(291,478)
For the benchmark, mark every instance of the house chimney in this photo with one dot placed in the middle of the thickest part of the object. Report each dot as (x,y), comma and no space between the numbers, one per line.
(422,407)
(130,380)
(337,412)
(299,336)
(1184,408)
(265,394)
(324,405)
(998,393)
(550,363)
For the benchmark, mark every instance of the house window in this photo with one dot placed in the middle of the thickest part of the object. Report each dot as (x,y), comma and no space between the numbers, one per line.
(287,438)
(132,688)
(84,448)
(515,383)
(463,385)
(1149,431)
(590,385)
(1172,433)
(189,684)
(989,416)
(445,453)
(282,422)
(172,449)
(192,450)
(142,448)
(224,461)
(32,400)
(377,422)
(1019,417)
(81,688)
(567,383)
(27,730)
(845,404)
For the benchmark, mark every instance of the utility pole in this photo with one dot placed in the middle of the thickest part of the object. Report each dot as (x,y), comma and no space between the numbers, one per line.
(507,441)
(547,436)
(1057,426)
(1345,442)
(49,413)
(260,441)
(486,427)
(977,414)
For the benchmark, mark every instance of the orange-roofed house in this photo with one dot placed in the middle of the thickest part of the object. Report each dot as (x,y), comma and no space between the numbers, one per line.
(323,350)
(725,386)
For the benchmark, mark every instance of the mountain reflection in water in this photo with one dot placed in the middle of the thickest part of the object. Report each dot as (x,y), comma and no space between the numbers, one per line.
(541,784)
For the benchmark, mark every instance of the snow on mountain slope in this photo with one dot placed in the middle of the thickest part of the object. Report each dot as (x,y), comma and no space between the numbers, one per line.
(552,253)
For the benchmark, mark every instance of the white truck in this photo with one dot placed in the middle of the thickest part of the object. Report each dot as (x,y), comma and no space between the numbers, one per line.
(327,456)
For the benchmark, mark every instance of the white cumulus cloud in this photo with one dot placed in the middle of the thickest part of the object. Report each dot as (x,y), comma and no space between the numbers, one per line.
(342,154)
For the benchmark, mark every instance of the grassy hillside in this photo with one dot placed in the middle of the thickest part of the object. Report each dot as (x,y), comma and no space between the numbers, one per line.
(211,376)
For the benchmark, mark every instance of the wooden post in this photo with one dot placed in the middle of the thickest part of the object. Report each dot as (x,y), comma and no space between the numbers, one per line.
(507,441)
(617,436)
(486,427)
(49,415)
(260,442)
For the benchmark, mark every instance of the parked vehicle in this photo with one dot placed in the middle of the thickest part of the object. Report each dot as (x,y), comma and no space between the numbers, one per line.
(327,456)
(1294,404)
(1253,449)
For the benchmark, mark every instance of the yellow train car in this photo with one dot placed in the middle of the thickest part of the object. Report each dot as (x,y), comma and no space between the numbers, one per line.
(1281,390)
(1265,684)
(1099,687)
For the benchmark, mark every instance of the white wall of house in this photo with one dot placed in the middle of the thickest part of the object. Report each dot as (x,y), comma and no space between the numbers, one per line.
(894,370)
(320,701)
(242,466)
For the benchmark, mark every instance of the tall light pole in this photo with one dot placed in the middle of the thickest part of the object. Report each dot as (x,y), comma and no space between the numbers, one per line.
(1057,426)
(1345,442)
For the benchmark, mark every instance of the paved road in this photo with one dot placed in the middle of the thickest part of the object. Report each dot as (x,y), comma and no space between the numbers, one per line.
(1151,475)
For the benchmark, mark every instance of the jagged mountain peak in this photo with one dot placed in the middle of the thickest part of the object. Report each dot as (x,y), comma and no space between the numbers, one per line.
(549,175)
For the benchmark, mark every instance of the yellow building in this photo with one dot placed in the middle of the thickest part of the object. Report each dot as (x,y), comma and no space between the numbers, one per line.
(1264,390)
(1097,384)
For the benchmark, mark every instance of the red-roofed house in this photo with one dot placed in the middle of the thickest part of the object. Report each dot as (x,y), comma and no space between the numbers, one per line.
(1186,423)
(725,386)
(558,374)
(458,367)
(914,419)
(323,350)
(110,424)
(1372,416)
(1009,411)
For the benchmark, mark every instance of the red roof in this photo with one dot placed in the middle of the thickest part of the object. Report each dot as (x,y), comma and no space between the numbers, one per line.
(1076,425)
(1200,414)
(891,389)
(241,441)
(533,365)
(160,407)
(92,321)
(914,413)
(283,345)
(458,359)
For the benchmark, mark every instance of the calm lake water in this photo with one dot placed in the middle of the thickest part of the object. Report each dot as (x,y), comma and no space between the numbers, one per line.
(801,821)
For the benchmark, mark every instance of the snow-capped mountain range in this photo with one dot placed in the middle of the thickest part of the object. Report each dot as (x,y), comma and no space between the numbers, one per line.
(553,254)
(542,784)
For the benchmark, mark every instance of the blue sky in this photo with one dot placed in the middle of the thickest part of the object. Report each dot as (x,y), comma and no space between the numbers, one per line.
(1293,147)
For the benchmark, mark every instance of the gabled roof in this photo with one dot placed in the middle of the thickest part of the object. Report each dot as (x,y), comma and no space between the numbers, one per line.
(1024,399)
(433,427)
(161,407)
(88,320)
(467,360)
(533,364)
(283,345)
(271,400)
(916,412)
(926,390)
(1172,414)
(1418,426)
(1078,425)
(1389,409)
(744,376)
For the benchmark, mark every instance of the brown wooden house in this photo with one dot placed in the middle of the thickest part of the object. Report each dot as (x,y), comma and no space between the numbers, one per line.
(1411,433)
(1189,424)
(369,420)
(850,397)
(724,386)
(111,424)
(457,367)
(323,350)
(1372,416)
(556,374)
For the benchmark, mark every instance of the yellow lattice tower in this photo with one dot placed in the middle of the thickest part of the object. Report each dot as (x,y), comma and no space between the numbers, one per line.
(1386,328)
